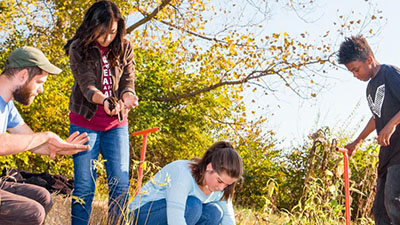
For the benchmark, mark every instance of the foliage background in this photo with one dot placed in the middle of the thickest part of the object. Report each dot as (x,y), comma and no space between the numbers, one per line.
(191,78)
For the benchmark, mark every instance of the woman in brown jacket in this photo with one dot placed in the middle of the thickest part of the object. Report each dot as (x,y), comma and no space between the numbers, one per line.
(102,64)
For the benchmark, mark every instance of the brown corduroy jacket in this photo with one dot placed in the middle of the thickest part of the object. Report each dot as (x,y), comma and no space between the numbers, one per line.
(88,76)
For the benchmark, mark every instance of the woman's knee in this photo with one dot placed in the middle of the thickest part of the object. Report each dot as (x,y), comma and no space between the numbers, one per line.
(118,185)
(213,213)
(194,209)
(84,187)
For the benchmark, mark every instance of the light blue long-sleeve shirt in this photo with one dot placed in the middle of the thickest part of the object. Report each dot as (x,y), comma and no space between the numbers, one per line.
(175,183)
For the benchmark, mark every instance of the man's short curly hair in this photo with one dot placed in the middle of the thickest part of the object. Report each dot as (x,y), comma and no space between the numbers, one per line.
(353,49)
(32,71)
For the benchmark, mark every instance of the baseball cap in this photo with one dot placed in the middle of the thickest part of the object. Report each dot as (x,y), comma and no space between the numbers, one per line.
(28,57)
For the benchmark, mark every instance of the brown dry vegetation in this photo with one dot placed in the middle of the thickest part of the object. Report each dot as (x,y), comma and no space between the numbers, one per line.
(60,213)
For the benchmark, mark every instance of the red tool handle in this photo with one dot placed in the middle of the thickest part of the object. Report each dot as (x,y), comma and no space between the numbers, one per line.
(346,182)
(143,154)
(151,130)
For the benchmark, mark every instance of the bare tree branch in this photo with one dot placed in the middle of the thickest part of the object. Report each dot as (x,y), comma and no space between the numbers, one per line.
(188,31)
(251,76)
(201,36)
(194,93)
(214,86)
(148,17)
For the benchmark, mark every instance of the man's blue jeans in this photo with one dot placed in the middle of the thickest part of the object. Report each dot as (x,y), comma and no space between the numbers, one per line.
(114,145)
(155,213)
(386,207)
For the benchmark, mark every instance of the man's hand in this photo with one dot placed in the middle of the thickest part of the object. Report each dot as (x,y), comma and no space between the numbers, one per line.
(353,146)
(77,138)
(364,134)
(73,144)
(385,134)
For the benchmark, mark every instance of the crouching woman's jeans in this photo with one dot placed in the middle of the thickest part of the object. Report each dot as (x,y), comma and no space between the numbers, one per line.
(196,212)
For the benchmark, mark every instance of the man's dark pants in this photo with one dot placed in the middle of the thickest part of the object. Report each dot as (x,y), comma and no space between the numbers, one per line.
(386,207)
(24,204)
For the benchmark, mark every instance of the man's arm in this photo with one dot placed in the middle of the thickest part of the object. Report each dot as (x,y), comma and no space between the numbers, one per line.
(393,86)
(22,138)
(16,143)
(364,134)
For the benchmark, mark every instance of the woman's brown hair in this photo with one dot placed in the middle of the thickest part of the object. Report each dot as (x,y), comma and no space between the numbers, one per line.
(224,159)
(97,20)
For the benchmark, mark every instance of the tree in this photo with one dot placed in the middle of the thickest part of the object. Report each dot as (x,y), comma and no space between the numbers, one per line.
(195,61)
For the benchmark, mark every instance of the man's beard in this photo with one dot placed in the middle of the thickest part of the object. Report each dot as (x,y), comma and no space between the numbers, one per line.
(22,94)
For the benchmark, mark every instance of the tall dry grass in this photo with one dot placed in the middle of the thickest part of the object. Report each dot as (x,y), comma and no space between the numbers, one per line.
(60,214)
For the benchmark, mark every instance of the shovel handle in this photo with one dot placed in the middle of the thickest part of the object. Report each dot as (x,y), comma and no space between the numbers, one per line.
(143,154)
(151,130)
(346,181)
(342,150)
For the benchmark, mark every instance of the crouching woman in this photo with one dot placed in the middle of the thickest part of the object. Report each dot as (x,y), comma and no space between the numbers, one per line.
(197,191)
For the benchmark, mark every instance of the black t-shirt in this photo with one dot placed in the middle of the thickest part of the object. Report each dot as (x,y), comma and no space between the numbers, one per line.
(383,95)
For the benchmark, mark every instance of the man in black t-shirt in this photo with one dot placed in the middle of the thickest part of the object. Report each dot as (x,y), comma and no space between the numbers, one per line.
(383,95)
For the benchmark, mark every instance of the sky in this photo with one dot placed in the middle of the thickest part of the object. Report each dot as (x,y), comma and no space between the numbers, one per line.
(343,104)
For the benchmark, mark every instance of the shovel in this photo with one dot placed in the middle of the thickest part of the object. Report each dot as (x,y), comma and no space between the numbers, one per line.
(143,154)
(346,182)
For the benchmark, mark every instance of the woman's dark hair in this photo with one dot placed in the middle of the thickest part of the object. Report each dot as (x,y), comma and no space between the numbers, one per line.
(98,20)
(224,159)
(353,49)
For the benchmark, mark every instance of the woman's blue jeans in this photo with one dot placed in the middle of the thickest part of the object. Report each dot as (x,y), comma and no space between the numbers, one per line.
(155,213)
(114,147)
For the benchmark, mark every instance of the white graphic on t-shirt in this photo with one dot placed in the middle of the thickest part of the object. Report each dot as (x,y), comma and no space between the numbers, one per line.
(376,107)
(107,80)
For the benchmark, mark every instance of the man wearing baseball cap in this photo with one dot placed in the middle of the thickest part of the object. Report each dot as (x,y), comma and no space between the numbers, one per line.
(25,72)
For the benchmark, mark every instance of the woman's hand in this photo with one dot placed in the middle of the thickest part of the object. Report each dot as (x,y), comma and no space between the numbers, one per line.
(130,100)
(111,106)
